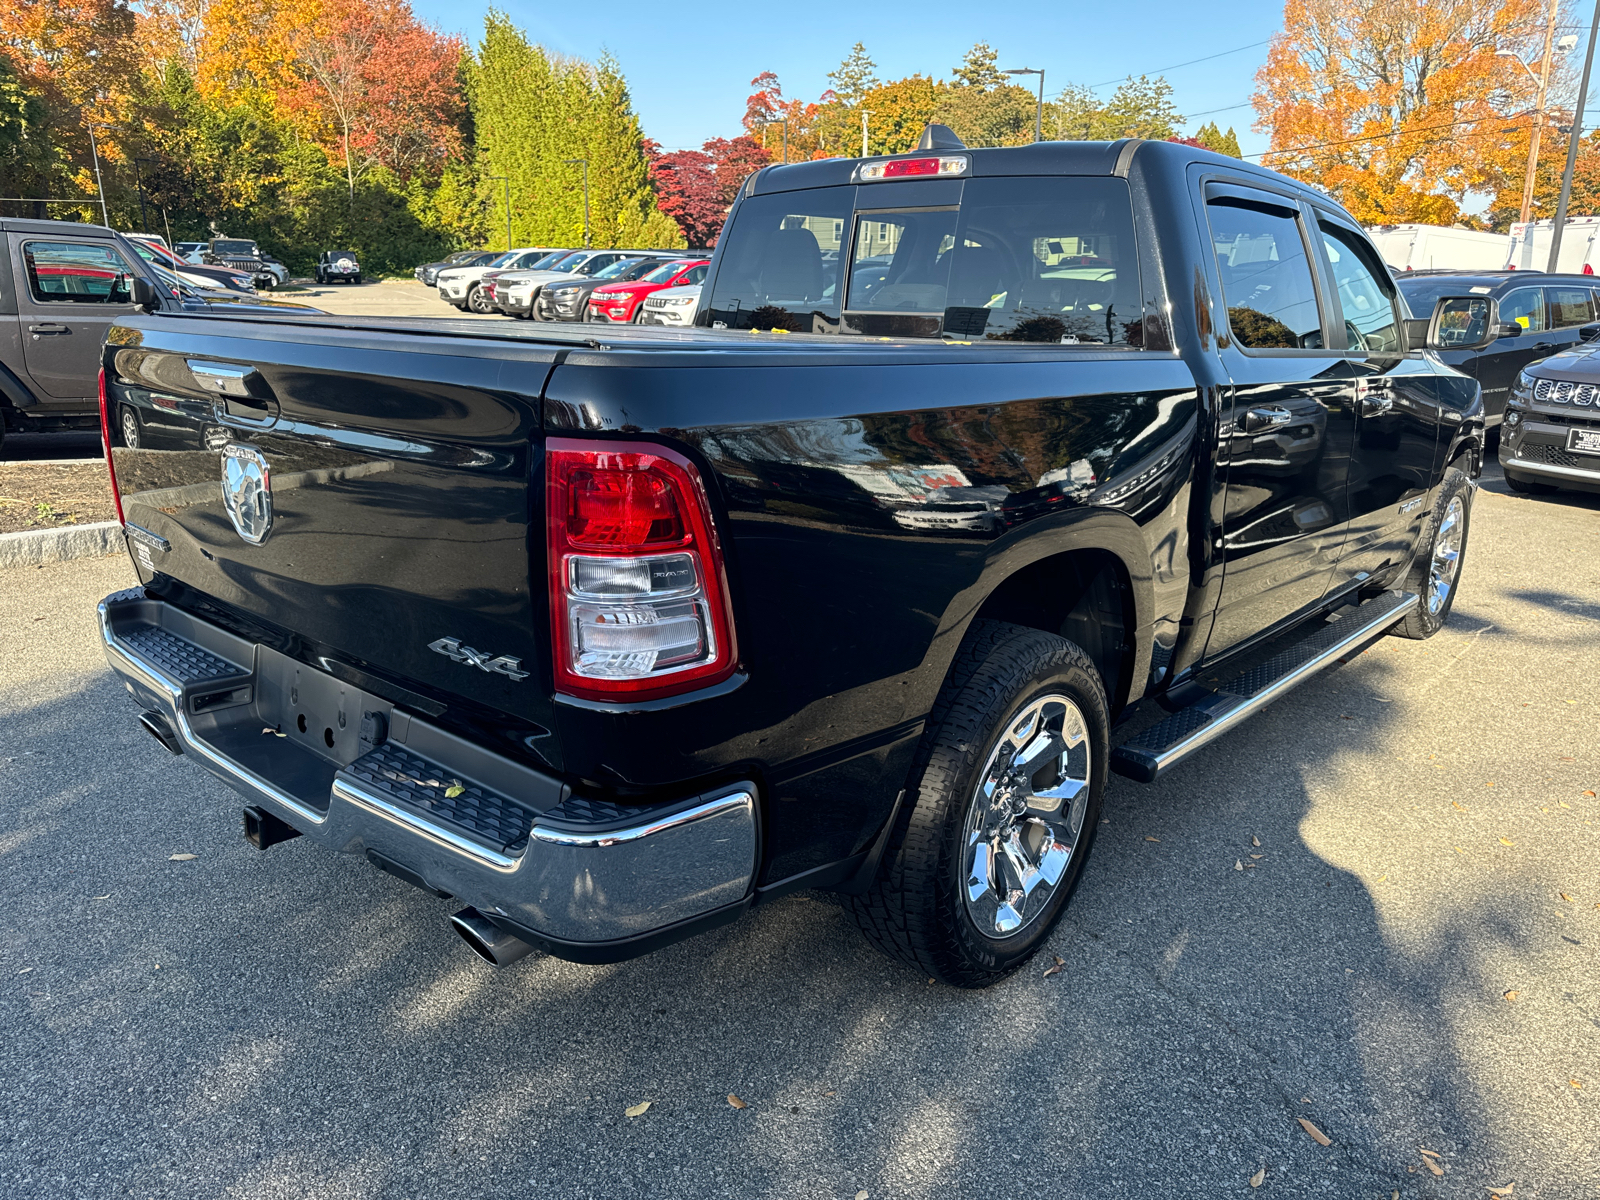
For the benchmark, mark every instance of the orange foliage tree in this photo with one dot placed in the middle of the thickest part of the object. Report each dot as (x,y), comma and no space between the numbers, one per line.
(1398,107)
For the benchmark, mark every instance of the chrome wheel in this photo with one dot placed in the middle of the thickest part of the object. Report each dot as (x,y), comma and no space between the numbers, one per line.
(130,429)
(477,301)
(1446,555)
(1026,819)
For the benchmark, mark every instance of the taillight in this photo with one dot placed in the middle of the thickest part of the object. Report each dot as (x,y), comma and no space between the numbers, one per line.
(638,598)
(903,168)
(105,442)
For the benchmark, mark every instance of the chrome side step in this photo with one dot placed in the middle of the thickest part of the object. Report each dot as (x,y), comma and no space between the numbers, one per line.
(1155,750)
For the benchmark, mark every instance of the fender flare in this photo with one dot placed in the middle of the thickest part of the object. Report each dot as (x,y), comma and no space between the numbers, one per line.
(1100,529)
(15,392)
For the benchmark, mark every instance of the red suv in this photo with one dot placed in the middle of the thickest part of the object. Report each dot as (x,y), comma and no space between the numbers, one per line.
(625,301)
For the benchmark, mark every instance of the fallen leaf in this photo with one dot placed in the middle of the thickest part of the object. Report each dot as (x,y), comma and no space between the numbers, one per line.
(107,896)
(1566,897)
(1429,1153)
(183,858)
(862,1194)
(1458,804)
(1577,1083)
(1255,841)
(455,789)
(1589,794)
(1507,842)
(1512,995)
(735,1102)
(1151,839)
(1258,1178)
(830,1093)
(1489,784)
(1055,970)
(1502,1191)
(1315,1134)
(1381,878)
(1257,856)
(1238,864)
(1433,1167)
(24,970)
(638,1110)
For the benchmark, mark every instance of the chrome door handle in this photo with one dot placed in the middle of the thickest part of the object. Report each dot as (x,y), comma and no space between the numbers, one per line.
(39,331)
(1375,404)
(1265,418)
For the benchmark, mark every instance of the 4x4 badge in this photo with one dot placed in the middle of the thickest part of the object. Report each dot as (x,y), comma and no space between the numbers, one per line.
(452,649)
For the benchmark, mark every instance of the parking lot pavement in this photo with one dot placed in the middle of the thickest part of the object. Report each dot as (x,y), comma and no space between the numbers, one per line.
(379,298)
(1407,960)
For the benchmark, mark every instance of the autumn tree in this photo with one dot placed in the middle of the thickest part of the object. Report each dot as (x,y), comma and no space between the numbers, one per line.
(983,107)
(1397,107)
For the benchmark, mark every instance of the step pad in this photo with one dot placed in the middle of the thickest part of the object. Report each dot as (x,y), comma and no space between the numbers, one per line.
(413,782)
(1152,751)
(183,662)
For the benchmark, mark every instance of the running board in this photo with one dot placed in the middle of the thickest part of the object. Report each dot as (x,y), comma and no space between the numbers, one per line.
(1150,753)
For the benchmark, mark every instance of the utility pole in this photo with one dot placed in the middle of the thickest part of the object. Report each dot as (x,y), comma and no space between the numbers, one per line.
(784,121)
(1038,121)
(505,179)
(585,163)
(1538,127)
(864,115)
(100,187)
(1573,139)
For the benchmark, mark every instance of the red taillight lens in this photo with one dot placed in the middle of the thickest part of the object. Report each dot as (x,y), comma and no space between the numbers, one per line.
(638,597)
(910,166)
(105,442)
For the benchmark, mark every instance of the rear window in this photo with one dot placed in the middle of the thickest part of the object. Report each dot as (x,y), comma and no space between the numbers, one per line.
(1047,260)
(235,247)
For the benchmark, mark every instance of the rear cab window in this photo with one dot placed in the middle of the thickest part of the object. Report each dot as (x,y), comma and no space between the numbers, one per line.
(1047,260)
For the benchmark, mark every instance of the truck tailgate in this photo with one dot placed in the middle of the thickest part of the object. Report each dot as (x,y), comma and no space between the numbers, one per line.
(336,507)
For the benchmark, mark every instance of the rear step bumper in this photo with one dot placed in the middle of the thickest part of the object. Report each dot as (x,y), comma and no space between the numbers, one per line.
(584,879)
(1155,750)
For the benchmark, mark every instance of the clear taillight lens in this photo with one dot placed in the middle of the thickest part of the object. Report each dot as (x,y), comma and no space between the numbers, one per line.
(639,601)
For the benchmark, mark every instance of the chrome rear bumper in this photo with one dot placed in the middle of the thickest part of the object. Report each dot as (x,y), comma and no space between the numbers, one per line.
(586,879)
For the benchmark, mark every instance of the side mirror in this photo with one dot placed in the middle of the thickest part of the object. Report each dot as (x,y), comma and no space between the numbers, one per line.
(1509,329)
(142,293)
(1588,333)
(1465,323)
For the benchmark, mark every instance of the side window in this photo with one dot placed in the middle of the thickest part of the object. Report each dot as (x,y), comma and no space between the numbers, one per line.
(1366,294)
(1569,307)
(1266,277)
(696,275)
(1525,306)
(76,273)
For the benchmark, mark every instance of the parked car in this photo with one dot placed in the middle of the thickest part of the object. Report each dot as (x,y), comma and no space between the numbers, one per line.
(568,299)
(276,269)
(1540,315)
(625,301)
(574,266)
(672,306)
(194,275)
(338,266)
(428,273)
(462,286)
(494,282)
(240,254)
(1551,435)
(612,638)
(190,251)
(1425,247)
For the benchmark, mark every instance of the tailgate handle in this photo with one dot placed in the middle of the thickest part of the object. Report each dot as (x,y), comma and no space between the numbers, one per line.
(242,396)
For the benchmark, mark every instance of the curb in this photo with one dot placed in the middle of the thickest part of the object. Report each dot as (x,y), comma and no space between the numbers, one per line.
(35,547)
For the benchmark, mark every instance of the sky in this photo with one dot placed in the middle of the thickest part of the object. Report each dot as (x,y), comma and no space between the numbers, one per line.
(689,69)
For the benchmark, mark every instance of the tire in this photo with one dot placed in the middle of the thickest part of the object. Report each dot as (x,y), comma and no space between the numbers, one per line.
(1435,572)
(1528,487)
(929,907)
(478,302)
(128,427)
(356,280)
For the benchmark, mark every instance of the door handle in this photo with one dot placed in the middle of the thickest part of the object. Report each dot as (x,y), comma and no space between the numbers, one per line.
(1375,404)
(40,331)
(1265,418)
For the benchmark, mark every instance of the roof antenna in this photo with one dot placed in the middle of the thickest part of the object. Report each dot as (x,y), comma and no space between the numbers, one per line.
(940,137)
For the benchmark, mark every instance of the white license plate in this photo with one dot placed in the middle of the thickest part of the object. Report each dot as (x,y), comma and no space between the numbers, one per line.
(1583,441)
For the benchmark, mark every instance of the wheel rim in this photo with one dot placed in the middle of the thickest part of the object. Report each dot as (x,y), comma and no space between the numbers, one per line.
(476,301)
(130,430)
(1025,820)
(1446,555)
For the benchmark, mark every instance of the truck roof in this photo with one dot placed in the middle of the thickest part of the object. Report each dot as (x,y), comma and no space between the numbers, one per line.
(33,225)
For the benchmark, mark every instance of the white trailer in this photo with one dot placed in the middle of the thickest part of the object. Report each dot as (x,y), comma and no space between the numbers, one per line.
(1419,247)
(1580,245)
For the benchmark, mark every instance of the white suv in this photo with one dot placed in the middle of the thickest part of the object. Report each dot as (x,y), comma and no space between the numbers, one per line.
(672,306)
(460,286)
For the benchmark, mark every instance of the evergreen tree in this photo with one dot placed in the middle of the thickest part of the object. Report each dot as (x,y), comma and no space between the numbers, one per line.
(1213,138)
(854,77)
(978,68)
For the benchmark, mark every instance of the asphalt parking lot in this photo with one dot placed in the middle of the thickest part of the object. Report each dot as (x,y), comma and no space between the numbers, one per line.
(379,298)
(1407,960)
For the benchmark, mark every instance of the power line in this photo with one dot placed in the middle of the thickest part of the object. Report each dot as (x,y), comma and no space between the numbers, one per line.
(1209,111)
(1191,62)
(1378,137)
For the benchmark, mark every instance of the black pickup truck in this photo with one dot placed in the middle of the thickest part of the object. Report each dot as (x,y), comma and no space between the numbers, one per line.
(981,468)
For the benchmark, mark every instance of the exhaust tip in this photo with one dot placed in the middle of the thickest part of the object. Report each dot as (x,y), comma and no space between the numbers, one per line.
(157,727)
(488,941)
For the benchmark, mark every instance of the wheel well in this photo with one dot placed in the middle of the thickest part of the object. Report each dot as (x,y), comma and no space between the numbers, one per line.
(1086,597)
(1468,450)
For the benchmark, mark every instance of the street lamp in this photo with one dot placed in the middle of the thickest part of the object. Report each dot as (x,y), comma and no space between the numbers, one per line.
(585,163)
(1542,86)
(1038,122)
(784,121)
(505,179)
(864,115)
